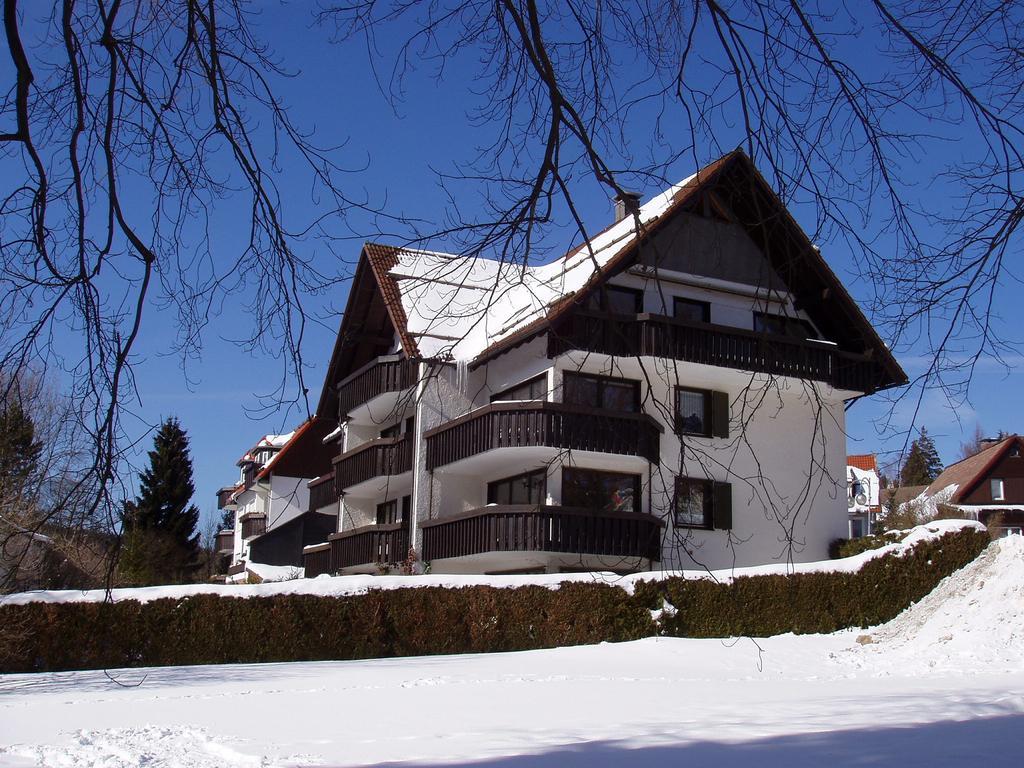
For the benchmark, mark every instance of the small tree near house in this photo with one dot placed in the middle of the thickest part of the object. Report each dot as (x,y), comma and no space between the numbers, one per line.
(160,541)
(923,463)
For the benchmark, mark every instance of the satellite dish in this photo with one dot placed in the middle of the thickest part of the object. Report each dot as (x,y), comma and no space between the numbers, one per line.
(862,499)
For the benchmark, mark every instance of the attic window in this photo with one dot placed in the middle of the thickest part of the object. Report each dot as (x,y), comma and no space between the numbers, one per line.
(996,485)
(616,300)
(781,325)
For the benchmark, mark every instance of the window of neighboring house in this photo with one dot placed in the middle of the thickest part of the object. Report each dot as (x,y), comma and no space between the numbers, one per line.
(780,325)
(996,484)
(692,310)
(534,389)
(703,503)
(394,511)
(601,392)
(616,300)
(702,412)
(600,491)
(528,488)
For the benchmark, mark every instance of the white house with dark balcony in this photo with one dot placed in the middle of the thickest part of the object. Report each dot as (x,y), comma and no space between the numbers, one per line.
(670,395)
(270,501)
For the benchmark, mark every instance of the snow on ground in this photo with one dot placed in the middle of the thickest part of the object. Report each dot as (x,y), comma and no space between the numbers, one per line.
(351,585)
(940,685)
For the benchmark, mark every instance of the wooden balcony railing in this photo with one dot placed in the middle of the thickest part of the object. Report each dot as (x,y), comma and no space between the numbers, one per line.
(385,374)
(555,425)
(322,492)
(376,458)
(225,541)
(543,529)
(317,560)
(369,545)
(253,524)
(224,496)
(668,337)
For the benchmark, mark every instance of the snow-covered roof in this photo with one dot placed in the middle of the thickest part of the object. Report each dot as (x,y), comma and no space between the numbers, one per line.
(457,307)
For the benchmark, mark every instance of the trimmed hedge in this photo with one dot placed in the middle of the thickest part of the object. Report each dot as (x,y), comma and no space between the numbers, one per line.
(207,629)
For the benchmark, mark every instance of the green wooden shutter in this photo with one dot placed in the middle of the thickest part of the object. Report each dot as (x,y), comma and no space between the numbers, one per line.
(720,414)
(721,510)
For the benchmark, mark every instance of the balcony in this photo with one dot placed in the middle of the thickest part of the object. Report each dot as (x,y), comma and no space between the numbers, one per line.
(316,560)
(365,549)
(374,390)
(323,492)
(544,425)
(370,468)
(616,540)
(225,542)
(253,524)
(224,497)
(718,345)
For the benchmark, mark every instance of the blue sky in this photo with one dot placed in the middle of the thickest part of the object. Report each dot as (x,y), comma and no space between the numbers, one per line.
(400,150)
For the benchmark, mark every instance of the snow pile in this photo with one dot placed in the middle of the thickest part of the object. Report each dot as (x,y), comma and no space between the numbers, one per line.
(267,573)
(335,586)
(926,507)
(974,619)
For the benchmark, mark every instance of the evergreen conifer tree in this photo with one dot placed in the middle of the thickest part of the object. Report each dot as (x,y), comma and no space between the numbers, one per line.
(923,463)
(161,542)
(19,450)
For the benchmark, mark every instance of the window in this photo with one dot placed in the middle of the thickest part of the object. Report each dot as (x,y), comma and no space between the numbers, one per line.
(600,491)
(693,503)
(692,310)
(996,484)
(780,325)
(534,389)
(528,488)
(601,392)
(616,300)
(390,512)
(396,430)
(703,504)
(702,412)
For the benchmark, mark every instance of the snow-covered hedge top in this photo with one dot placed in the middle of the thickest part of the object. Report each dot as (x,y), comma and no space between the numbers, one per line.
(330,586)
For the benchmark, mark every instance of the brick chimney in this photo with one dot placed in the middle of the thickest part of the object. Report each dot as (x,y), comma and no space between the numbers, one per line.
(626,204)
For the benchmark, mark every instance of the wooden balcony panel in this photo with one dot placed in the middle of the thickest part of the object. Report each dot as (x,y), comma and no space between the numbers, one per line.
(369,545)
(225,541)
(376,378)
(322,492)
(253,525)
(543,529)
(718,345)
(554,425)
(317,560)
(236,569)
(377,458)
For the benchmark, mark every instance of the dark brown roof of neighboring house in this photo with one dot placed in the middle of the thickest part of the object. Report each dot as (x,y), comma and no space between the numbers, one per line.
(966,474)
(864,461)
(902,494)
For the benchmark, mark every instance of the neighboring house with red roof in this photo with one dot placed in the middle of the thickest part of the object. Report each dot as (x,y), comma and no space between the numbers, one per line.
(273,519)
(670,394)
(988,486)
(863,488)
